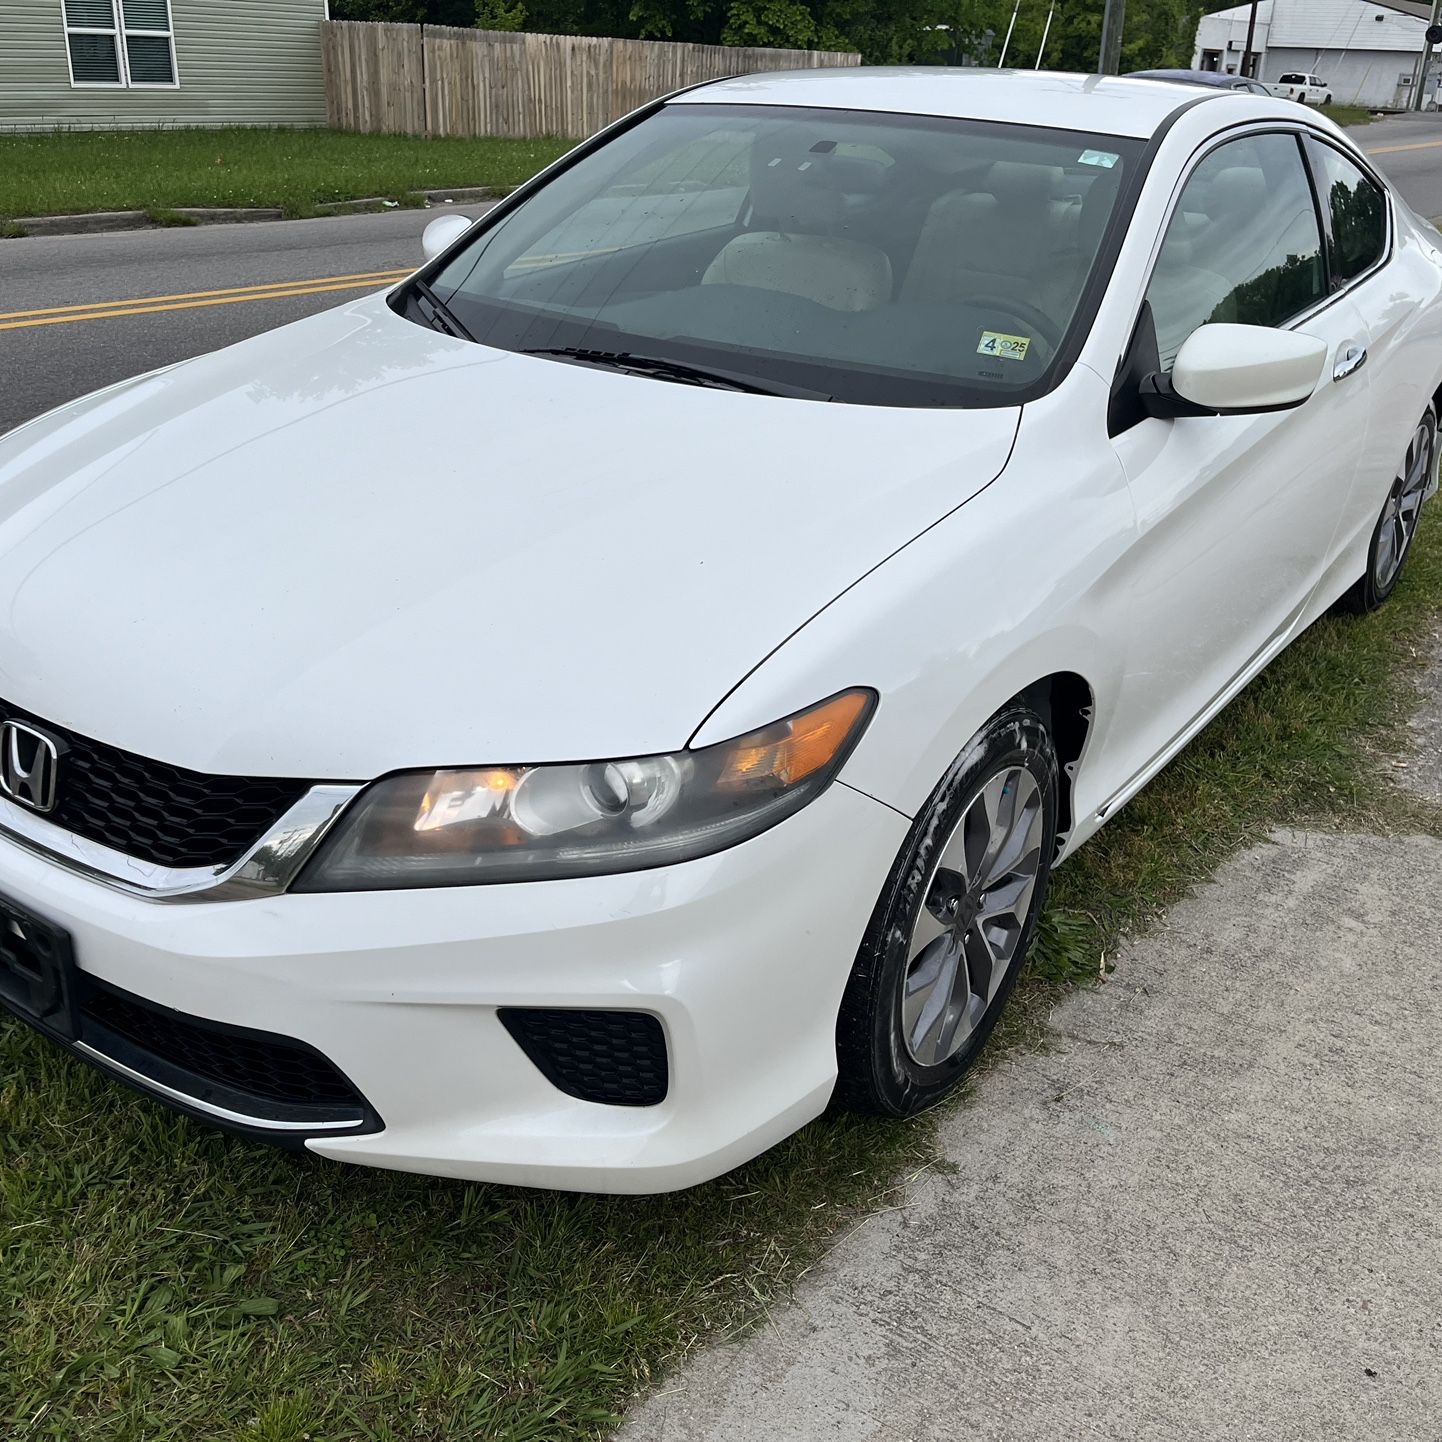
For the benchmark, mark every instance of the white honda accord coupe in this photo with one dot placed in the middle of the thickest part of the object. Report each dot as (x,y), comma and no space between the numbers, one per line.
(567,719)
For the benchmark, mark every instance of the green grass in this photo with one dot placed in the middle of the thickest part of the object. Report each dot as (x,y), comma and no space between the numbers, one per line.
(1306,743)
(1348,114)
(158,216)
(162,1282)
(67,172)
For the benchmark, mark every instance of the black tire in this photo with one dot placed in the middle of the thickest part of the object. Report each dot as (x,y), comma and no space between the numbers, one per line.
(1327,101)
(1394,527)
(878,1072)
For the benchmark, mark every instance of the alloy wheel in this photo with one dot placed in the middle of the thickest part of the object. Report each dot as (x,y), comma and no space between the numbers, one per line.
(1403,508)
(966,935)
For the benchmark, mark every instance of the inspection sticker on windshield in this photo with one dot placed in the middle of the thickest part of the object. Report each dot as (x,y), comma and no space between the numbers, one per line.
(1008,347)
(1105,158)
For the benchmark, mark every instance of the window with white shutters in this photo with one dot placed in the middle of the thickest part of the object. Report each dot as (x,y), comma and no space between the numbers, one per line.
(120,42)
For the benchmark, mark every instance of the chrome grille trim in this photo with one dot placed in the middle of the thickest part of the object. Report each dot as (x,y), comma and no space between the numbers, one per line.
(267,869)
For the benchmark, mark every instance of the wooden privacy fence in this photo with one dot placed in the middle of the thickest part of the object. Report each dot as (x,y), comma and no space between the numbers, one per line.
(435,80)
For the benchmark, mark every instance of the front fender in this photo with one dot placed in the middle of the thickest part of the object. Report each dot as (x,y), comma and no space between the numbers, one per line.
(1016,585)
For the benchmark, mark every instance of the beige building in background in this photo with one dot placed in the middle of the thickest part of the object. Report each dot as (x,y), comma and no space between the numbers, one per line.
(103,64)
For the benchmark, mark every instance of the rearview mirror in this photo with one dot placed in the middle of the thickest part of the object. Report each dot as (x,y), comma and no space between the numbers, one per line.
(442,233)
(1236,370)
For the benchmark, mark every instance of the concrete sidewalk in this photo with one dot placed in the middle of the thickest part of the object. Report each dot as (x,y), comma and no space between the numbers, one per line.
(1209,1210)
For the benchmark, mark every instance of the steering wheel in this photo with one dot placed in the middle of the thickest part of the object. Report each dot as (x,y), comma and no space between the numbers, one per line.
(1041,323)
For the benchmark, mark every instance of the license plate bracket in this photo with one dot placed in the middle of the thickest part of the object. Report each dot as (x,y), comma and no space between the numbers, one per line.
(37,970)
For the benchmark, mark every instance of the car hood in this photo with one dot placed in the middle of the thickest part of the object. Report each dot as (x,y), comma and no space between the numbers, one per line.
(354,545)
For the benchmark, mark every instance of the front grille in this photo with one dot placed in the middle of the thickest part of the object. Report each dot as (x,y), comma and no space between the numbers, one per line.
(274,1069)
(155,812)
(616,1057)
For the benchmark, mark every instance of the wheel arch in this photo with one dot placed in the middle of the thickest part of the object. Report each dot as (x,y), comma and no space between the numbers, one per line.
(1067,703)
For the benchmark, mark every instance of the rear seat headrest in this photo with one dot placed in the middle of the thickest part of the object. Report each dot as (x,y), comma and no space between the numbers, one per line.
(854,175)
(1238,193)
(1016,183)
(791,189)
(804,187)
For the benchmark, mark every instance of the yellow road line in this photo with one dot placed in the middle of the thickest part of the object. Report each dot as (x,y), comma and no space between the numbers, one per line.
(144,309)
(379,276)
(1416,145)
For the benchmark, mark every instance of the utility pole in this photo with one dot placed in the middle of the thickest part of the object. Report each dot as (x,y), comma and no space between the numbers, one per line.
(1109,61)
(1420,90)
(1251,32)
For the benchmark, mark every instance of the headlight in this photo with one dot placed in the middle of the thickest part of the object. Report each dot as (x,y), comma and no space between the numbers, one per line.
(532,823)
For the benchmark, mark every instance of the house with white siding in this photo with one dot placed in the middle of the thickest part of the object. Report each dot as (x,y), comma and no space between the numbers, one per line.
(103,64)
(1365,53)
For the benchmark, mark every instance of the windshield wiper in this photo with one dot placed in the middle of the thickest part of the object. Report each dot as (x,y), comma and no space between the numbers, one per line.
(680,371)
(439,316)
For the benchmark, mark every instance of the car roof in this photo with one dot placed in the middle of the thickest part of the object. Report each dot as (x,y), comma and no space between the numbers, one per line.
(1100,104)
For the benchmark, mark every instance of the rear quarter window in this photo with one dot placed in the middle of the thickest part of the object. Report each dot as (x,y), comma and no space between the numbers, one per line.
(1357,210)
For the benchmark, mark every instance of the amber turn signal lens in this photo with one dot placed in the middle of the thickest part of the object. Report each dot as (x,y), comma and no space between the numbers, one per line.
(784,754)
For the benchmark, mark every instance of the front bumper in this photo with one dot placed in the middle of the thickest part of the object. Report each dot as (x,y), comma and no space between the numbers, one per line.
(742,957)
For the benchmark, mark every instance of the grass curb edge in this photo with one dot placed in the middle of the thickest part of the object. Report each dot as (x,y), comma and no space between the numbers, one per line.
(99,222)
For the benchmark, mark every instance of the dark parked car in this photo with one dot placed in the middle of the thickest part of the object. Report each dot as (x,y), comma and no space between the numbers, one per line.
(1203,77)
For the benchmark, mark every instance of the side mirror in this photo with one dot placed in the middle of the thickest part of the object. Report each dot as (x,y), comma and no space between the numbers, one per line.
(1236,370)
(442,233)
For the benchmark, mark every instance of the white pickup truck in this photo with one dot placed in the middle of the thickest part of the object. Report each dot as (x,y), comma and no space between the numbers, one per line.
(1305,89)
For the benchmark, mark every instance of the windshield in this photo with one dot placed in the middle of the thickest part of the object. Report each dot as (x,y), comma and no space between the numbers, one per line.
(869,258)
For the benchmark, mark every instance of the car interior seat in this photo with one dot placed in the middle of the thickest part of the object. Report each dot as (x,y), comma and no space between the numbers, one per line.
(1000,239)
(796,243)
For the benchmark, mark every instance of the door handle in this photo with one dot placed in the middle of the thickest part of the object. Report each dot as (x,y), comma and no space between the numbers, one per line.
(1350,359)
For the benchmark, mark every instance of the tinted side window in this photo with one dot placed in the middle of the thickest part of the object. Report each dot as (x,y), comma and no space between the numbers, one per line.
(1358,210)
(1243,244)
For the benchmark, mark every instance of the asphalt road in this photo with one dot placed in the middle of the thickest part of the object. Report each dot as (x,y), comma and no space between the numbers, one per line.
(1408,150)
(112,306)
(224,283)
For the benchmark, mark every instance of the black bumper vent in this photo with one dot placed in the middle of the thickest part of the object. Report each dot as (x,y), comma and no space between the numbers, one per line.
(616,1057)
(252,1072)
(156,812)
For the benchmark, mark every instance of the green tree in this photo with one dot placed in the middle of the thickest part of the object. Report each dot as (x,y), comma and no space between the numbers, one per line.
(497,15)
(1159,33)
(698,21)
(432,12)
(786,23)
(402,11)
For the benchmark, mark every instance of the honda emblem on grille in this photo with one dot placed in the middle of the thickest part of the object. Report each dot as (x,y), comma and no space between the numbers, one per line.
(29,766)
